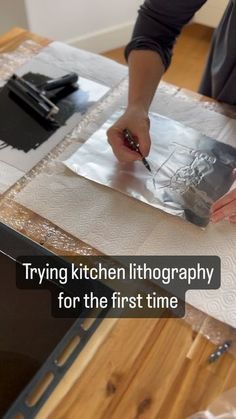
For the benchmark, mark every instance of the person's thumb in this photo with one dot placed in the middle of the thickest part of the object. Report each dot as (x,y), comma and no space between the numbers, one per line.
(144,141)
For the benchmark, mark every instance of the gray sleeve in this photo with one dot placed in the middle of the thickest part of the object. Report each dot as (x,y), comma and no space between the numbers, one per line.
(159,23)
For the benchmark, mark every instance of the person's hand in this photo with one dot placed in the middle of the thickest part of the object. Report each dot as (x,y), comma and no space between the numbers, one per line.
(136,120)
(225,207)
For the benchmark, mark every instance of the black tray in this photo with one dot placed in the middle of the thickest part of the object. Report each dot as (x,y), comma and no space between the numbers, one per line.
(12,246)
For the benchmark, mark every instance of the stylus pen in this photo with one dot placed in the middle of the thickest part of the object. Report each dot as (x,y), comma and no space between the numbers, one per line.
(135,147)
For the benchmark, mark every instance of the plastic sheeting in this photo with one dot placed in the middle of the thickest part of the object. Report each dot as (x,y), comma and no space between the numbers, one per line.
(223,407)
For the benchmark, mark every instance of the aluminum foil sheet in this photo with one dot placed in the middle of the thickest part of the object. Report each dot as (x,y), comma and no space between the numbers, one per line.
(189,171)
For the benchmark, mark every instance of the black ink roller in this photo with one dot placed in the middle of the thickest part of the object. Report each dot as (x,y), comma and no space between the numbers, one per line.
(135,147)
(35,97)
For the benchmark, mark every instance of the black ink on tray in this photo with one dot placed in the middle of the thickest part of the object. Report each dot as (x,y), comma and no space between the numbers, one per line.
(21,128)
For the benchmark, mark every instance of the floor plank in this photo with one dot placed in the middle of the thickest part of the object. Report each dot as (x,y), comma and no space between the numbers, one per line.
(16,36)
(189,58)
(111,371)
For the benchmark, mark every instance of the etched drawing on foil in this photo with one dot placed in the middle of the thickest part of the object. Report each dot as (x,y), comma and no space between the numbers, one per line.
(189,171)
(180,176)
(191,174)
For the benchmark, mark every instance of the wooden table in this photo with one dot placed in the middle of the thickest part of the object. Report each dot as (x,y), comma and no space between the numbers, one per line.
(131,368)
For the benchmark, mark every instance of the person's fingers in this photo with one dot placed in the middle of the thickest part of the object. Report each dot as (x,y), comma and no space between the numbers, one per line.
(225,200)
(125,155)
(139,127)
(121,151)
(232,219)
(143,137)
(144,142)
(227,211)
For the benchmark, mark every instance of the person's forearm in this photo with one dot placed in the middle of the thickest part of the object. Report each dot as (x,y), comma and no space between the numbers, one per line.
(145,72)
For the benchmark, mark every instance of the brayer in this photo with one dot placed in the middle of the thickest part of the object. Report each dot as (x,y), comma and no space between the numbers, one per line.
(35,96)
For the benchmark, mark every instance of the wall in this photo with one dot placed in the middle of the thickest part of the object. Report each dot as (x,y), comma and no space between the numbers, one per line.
(94,24)
(12,13)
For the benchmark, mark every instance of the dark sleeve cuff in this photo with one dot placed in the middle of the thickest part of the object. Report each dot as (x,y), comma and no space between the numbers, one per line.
(144,43)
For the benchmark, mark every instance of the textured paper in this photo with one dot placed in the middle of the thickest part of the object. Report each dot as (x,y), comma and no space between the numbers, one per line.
(8,176)
(116,224)
(189,171)
(54,61)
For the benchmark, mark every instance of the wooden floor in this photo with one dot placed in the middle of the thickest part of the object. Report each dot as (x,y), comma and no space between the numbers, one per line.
(189,57)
